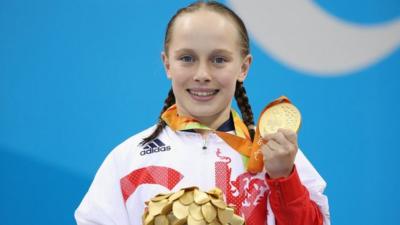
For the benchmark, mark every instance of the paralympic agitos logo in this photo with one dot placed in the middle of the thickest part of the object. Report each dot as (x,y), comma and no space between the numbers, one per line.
(154,146)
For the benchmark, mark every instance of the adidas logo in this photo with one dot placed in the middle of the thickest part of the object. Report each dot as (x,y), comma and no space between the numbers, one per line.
(154,146)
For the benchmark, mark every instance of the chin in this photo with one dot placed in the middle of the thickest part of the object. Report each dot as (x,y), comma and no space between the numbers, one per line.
(205,111)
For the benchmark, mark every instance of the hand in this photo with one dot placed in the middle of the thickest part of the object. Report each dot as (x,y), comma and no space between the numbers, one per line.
(279,151)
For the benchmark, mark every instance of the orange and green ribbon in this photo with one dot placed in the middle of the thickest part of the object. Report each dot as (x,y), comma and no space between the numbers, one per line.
(240,140)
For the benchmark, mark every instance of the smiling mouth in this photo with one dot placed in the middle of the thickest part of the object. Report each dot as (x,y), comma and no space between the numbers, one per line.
(202,93)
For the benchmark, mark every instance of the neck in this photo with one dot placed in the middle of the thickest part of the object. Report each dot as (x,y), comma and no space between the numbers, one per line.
(214,122)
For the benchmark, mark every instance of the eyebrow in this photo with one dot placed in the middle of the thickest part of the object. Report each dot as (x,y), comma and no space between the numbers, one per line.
(216,51)
(222,51)
(183,50)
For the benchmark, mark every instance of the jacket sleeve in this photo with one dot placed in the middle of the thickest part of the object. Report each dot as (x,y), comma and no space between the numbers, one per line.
(298,199)
(103,203)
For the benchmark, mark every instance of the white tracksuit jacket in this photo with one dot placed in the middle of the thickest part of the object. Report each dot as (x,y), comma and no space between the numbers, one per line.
(132,174)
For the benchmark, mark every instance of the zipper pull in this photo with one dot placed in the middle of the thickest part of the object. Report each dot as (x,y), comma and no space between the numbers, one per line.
(204,144)
(205,139)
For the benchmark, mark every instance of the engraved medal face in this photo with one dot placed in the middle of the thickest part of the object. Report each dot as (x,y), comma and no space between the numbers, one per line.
(190,206)
(282,115)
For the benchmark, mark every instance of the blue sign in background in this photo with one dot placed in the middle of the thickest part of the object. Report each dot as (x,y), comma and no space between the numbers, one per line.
(79,77)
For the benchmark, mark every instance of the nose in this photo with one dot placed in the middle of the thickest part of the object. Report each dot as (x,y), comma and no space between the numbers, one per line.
(202,74)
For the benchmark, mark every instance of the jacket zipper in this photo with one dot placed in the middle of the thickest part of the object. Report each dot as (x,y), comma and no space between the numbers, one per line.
(205,142)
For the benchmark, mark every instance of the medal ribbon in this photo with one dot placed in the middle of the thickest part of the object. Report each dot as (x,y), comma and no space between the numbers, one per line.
(240,141)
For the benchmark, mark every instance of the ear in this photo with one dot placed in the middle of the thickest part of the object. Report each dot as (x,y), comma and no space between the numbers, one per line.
(245,67)
(165,61)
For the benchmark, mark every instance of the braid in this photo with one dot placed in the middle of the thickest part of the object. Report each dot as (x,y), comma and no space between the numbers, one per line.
(243,103)
(170,100)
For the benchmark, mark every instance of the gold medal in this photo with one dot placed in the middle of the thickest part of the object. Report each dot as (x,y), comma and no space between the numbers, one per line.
(237,220)
(148,219)
(180,210)
(176,195)
(155,208)
(282,115)
(215,222)
(215,192)
(160,197)
(225,215)
(195,211)
(209,212)
(200,197)
(193,221)
(161,220)
(219,203)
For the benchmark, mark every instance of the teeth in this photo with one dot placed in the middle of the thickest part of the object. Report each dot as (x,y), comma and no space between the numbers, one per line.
(202,94)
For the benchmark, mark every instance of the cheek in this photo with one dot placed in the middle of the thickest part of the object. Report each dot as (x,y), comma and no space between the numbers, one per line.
(179,75)
(178,85)
(227,79)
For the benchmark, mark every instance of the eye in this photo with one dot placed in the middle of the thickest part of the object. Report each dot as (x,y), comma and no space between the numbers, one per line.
(187,59)
(218,60)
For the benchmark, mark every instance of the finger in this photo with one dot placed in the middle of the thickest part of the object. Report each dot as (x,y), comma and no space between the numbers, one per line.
(290,135)
(274,146)
(268,137)
(280,138)
(266,149)
(280,143)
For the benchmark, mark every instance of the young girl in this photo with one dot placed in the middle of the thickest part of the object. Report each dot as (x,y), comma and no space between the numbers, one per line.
(206,56)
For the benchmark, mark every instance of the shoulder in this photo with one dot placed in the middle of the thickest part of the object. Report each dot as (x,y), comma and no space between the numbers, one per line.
(132,146)
(307,172)
(133,142)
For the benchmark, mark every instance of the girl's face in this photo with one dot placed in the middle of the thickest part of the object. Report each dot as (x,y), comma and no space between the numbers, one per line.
(204,63)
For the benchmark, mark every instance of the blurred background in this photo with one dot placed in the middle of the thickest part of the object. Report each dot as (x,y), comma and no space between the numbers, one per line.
(79,77)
